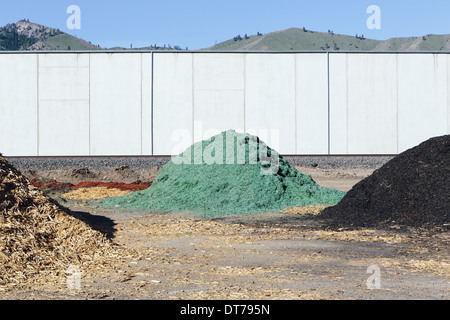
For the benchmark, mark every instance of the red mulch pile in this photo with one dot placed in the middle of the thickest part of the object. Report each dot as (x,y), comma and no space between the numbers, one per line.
(49,184)
(113,185)
(90,184)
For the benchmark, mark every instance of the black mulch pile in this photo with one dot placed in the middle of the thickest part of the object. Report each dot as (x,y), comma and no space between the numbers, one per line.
(412,189)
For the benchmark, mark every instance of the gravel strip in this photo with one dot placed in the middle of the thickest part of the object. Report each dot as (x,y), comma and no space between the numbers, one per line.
(146,163)
(92,163)
(339,162)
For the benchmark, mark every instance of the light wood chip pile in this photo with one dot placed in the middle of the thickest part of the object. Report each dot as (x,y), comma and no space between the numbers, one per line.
(94,193)
(38,237)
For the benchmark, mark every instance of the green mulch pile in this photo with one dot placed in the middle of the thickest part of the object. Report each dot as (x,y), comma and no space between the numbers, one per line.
(230,173)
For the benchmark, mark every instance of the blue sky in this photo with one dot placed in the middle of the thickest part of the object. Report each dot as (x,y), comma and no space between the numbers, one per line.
(198,24)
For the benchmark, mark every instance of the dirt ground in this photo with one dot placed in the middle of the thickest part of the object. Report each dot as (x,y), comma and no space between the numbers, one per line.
(289,255)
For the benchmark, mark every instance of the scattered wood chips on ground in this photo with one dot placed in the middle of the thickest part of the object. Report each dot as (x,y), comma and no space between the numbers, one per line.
(309,210)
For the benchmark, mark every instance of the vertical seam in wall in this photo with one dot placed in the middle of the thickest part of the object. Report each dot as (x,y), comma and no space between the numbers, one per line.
(193,100)
(141,104)
(328,103)
(89,108)
(295,104)
(346,103)
(151,102)
(244,57)
(398,131)
(37,105)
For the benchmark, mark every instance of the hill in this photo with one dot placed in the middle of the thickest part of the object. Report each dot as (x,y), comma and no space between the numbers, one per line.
(27,36)
(301,39)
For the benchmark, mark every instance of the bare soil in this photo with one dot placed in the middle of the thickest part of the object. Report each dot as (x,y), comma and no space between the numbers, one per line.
(287,255)
(120,174)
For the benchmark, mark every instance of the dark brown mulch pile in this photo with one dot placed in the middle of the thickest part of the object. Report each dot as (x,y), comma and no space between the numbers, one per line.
(413,189)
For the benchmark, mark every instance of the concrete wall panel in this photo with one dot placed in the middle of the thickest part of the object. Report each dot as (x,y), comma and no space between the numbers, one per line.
(64,77)
(172,103)
(338,103)
(218,94)
(372,104)
(116,105)
(312,104)
(423,98)
(18,105)
(63,104)
(270,99)
(63,128)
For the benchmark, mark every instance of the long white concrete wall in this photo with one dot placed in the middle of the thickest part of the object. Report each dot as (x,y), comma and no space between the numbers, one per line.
(159,103)
(387,103)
